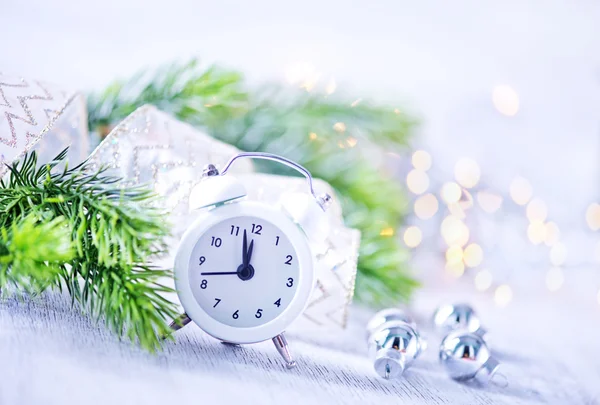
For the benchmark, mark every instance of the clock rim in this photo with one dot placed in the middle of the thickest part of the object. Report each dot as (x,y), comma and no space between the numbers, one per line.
(306,272)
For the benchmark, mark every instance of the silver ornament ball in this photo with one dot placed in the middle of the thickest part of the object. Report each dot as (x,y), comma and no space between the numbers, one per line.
(451,317)
(386,315)
(394,345)
(466,356)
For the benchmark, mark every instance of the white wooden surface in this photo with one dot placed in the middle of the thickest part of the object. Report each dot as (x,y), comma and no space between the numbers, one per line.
(51,354)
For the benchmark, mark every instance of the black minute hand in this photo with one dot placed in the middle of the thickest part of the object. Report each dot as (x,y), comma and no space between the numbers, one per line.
(245,251)
(216,273)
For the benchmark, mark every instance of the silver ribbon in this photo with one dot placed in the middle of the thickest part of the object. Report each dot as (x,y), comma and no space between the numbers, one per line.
(152,148)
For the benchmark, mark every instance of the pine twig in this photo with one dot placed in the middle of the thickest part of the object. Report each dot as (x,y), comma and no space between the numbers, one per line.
(113,233)
(31,252)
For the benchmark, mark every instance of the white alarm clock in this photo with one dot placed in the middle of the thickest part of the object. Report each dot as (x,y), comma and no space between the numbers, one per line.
(244,270)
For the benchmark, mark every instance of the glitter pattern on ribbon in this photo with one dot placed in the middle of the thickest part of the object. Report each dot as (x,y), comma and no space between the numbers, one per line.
(40,116)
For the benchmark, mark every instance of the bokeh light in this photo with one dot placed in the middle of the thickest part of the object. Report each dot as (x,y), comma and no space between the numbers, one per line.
(331,86)
(413,236)
(473,255)
(457,210)
(454,231)
(506,100)
(503,295)
(592,216)
(339,127)
(454,255)
(465,202)
(552,234)
(467,172)
(554,279)
(417,181)
(558,254)
(537,210)
(536,232)
(520,190)
(356,102)
(489,202)
(451,192)
(426,206)
(421,160)
(455,269)
(387,231)
(483,280)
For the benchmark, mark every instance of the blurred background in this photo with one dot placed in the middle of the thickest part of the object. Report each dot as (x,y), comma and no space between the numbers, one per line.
(502,172)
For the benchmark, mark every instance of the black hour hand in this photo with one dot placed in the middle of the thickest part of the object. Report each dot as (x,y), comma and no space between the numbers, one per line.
(249,253)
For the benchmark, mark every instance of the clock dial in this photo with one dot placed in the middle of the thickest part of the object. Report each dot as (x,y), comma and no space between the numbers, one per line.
(244,271)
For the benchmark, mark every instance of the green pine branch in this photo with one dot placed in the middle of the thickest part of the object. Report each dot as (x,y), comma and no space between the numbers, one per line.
(109,234)
(31,252)
(300,126)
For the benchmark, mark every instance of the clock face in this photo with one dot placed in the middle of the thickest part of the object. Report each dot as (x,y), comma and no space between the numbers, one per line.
(244,271)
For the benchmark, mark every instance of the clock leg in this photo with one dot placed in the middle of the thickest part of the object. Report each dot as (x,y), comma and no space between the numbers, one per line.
(178,323)
(284,350)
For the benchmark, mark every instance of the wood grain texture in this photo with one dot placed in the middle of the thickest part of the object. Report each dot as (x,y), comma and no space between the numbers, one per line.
(53,354)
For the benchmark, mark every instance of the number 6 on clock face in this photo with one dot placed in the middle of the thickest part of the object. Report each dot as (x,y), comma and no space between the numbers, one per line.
(244,271)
